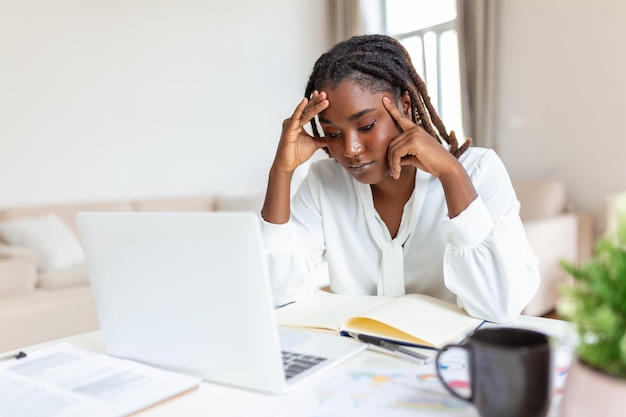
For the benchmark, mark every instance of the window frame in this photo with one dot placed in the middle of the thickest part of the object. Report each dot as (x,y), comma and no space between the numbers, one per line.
(438,30)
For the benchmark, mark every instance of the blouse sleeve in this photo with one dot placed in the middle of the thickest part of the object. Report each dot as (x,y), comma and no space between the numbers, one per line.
(295,248)
(488,262)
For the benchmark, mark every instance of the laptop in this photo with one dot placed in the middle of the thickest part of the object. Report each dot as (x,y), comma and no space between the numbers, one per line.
(190,292)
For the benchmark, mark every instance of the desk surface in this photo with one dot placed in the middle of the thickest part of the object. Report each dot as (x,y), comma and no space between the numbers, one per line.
(215,400)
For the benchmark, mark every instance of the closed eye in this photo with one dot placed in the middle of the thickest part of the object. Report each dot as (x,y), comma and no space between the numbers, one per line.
(368,127)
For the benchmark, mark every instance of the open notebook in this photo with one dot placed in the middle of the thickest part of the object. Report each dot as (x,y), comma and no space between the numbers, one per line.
(190,292)
(414,319)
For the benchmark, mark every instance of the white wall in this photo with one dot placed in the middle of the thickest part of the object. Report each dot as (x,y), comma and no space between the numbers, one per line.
(105,99)
(562,95)
(115,98)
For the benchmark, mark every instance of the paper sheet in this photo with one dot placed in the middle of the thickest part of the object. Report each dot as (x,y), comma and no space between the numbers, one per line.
(376,390)
(64,381)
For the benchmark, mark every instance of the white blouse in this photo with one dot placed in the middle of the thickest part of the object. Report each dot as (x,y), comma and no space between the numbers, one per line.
(481,259)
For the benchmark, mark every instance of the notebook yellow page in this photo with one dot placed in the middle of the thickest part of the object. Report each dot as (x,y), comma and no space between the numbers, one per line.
(413,319)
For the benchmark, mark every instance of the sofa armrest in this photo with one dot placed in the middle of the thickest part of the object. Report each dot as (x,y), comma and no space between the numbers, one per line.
(41,316)
(552,239)
(586,236)
(540,198)
(16,252)
(18,272)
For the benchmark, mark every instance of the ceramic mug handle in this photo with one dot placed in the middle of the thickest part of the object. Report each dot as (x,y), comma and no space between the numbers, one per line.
(470,398)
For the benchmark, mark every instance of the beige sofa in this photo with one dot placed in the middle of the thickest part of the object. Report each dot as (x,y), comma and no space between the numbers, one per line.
(40,304)
(555,231)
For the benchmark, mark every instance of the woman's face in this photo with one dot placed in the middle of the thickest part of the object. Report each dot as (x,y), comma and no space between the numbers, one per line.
(358,130)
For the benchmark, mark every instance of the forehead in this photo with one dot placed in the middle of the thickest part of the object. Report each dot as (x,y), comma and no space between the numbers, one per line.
(360,85)
(348,98)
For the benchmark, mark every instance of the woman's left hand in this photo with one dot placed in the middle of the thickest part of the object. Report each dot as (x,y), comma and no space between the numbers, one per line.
(415,146)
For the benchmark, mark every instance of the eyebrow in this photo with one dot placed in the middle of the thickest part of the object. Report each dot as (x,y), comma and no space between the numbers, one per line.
(351,118)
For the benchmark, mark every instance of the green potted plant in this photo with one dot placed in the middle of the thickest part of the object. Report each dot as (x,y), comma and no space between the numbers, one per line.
(596,305)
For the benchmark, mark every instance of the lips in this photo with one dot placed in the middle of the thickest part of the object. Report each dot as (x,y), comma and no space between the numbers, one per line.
(360,168)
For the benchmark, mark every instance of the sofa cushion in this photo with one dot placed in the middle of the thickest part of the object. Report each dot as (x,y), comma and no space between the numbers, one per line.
(69,277)
(540,198)
(17,276)
(66,212)
(200,203)
(51,240)
(240,203)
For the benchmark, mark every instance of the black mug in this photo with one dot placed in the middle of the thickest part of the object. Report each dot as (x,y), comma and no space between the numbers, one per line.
(510,372)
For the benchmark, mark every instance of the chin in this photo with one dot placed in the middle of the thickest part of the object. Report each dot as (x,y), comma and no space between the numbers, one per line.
(371,177)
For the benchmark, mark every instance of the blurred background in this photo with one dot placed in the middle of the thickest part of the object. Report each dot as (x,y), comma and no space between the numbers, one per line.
(108,99)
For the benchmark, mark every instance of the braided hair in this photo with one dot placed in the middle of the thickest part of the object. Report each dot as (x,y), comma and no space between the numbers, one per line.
(380,63)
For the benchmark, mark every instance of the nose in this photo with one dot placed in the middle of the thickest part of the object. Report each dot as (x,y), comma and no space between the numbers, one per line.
(352,147)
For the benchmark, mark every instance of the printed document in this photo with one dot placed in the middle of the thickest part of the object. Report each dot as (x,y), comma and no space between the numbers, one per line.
(64,381)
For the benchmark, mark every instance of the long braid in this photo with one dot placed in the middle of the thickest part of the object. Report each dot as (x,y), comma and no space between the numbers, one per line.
(381,63)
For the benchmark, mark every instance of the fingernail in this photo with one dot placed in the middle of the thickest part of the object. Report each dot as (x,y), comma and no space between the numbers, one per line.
(386,100)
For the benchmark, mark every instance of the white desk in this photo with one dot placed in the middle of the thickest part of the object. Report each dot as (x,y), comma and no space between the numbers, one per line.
(215,400)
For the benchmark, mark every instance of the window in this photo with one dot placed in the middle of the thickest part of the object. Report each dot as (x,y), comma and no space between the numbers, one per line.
(427,30)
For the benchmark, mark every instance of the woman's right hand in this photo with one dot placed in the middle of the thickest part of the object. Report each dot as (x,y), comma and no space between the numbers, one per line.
(296,146)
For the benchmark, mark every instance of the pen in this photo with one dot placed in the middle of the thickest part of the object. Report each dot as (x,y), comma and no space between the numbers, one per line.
(390,346)
(18,355)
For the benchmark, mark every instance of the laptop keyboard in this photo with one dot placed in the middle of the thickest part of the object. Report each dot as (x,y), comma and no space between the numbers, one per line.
(296,363)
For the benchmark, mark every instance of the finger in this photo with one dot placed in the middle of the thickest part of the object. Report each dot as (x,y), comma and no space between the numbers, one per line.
(293,122)
(393,159)
(297,113)
(312,101)
(394,155)
(316,105)
(403,121)
(405,160)
(401,152)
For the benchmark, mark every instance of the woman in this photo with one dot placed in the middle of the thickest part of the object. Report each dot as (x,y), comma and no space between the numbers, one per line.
(399,207)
